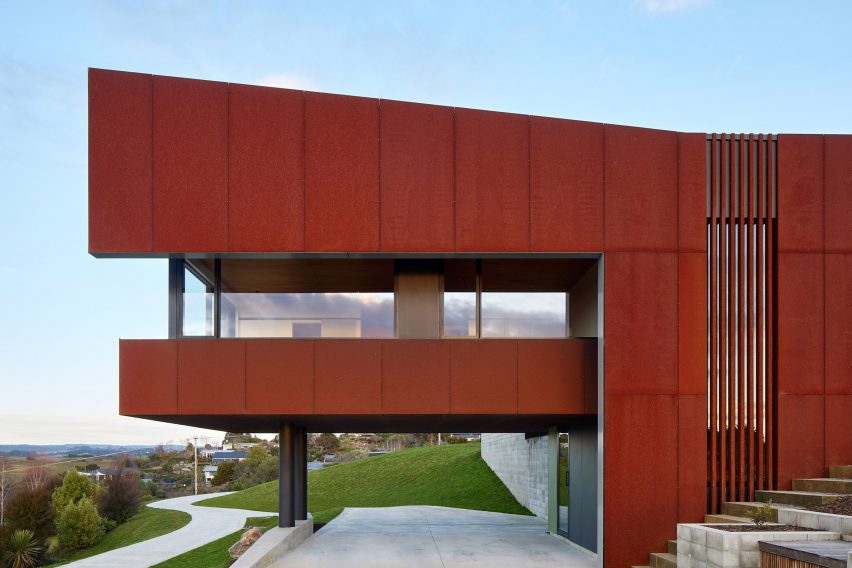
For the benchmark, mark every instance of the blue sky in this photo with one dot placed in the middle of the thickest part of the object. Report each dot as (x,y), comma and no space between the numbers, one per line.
(691,65)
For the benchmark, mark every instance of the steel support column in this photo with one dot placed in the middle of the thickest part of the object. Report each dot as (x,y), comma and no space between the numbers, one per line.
(300,473)
(286,459)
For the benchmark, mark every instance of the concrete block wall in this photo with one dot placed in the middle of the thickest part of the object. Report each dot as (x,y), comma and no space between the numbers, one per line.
(521,464)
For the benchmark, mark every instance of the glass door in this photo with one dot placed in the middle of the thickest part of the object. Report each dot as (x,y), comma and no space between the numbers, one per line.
(562,486)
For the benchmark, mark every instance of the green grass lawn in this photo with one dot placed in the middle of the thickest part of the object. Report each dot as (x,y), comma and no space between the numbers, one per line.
(146,524)
(215,554)
(452,476)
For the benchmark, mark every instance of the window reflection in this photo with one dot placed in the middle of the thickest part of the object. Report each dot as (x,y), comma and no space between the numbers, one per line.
(563,485)
(459,314)
(198,304)
(352,314)
(523,314)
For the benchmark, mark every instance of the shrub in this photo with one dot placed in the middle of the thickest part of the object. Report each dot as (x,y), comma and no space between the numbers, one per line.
(256,455)
(74,487)
(5,535)
(762,515)
(24,550)
(121,497)
(79,525)
(224,474)
(31,509)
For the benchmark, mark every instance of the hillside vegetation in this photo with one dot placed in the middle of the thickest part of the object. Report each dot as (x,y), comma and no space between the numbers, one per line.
(450,476)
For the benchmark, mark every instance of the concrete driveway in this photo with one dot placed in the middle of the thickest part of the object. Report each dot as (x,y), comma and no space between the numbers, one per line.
(438,537)
(207,524)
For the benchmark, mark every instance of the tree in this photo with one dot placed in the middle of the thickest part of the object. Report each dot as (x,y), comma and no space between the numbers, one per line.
(23,549)
(37,475)
(224,473)
(256,455)
(121,497)
(7,486)
(32,509)
(79,525)
(323,444)
(74,487)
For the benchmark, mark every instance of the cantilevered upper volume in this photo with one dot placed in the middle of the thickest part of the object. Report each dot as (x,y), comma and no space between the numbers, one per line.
(187,166)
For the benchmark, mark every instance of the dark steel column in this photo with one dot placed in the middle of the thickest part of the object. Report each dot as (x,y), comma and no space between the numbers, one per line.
(175,298)
(300,476)
(286,501)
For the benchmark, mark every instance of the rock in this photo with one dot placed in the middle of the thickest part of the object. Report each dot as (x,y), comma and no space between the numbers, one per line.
(249,538)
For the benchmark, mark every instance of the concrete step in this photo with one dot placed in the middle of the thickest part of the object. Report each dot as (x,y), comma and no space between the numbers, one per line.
(728,519)
(663,560)
(672,547)
(840,471)
(798,498)
(824,485)
(743,509)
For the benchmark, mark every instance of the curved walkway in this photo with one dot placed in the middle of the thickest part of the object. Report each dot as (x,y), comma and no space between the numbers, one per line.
(207,525)
(434,537)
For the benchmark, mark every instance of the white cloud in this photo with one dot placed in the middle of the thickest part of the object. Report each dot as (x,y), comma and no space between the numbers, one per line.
(287,81)
(669,6)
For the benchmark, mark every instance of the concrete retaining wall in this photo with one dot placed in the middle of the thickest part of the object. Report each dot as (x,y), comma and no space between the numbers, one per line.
(274,544)
(521,465)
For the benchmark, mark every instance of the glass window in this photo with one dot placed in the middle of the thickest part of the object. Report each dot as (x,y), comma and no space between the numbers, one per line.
(459,314)
(524,314)
(563,485)
(311,314)
(198,305)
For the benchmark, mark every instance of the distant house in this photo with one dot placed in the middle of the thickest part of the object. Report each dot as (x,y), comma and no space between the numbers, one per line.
(222,457)
(205,453)
(96,475)
(210,473)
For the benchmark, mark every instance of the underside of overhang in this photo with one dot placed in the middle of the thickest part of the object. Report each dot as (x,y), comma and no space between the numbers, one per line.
(382,423)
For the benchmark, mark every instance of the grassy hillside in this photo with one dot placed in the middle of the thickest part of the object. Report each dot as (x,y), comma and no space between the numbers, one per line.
(452,476)
(215,554)
(148,523)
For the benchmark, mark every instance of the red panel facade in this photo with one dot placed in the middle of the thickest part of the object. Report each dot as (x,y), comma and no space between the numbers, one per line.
(838,193)
(838,424)
(692,458)
(190,165)
(543,391)
(838,331)
(483,377)
(692,192)
(641,476)
(211,377)
(148,378)
(341,173)
(801,326)
(279,376)
(492,181)
(266,169)
(801,443)
(421,388)
(800,193)
(692,323)
(566,185)
(641,189)
(348,377)
(417,177)
(120,151)
(641,323)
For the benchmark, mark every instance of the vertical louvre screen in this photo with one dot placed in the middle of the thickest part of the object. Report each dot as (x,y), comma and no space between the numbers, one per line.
(741,206)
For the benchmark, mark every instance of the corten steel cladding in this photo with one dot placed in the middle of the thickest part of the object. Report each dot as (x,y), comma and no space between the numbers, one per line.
(741,256)
(180,166)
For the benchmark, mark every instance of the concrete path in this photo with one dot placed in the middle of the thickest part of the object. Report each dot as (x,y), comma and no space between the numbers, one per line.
(439,537)
(207,524)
